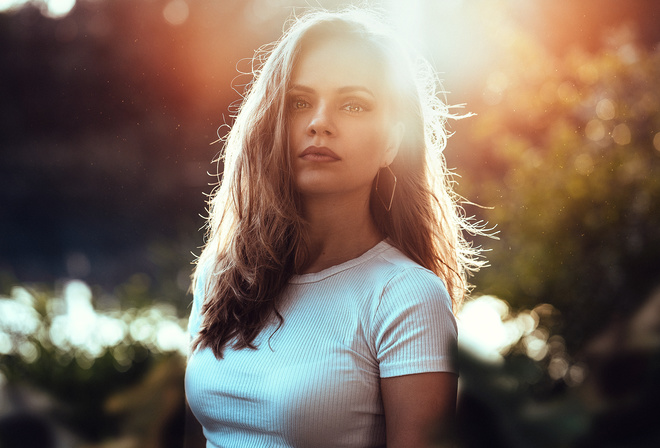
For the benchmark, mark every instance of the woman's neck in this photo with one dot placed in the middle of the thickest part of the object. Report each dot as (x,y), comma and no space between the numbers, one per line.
(338,231)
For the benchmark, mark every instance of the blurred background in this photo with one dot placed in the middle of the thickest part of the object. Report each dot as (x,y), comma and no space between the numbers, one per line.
(108,109)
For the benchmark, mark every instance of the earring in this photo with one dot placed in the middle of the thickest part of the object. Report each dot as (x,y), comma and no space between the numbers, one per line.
(387,207)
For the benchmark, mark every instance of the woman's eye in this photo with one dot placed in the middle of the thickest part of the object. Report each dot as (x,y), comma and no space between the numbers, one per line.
(353,108)
(299,104)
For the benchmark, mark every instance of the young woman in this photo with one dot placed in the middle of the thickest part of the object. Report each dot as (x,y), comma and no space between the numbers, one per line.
(322,311)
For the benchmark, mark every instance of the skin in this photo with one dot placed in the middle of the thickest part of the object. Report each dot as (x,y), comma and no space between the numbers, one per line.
(337,101)
(418,407)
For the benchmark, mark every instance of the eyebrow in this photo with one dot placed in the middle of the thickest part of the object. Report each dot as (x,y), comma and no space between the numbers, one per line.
(341,90)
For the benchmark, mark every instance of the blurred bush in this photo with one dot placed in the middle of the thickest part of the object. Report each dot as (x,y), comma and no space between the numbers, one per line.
(94,374)
(567,156)
(606,396)
(78,375)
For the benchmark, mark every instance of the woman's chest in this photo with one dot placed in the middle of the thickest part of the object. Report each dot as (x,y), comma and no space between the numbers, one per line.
(312,382)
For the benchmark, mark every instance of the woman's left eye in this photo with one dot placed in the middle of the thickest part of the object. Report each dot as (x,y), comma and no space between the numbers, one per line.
(353,107)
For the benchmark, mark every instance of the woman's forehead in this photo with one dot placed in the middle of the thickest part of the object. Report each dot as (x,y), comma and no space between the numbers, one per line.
(337,61)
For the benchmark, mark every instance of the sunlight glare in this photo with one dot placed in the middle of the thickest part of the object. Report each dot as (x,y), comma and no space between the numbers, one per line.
(171,337)
(81,316)
(79,332)
(481,330)
(52,8)
(81,328)
(407,18)
(111,330)
(7,5)
(59,8)
(488,329)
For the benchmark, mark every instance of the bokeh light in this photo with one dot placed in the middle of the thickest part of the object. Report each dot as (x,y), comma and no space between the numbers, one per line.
(8,5)
(176,12)
(74,328)
(621,134)
(60,8)
(605,109)
(488,328)
(51,8)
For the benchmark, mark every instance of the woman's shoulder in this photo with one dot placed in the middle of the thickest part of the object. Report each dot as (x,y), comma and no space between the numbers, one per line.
(395,256)
(403,279)
(412,326)
(403,268)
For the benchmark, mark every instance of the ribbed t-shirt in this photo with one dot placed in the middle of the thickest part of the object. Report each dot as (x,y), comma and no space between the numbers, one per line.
(315,381)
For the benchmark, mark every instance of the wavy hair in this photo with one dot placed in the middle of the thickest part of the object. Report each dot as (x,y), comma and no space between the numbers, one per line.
(256,235)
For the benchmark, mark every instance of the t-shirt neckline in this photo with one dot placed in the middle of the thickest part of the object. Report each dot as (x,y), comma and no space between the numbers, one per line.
(332,270)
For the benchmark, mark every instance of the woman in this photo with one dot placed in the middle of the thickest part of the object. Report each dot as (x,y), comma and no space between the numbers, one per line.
(322,311)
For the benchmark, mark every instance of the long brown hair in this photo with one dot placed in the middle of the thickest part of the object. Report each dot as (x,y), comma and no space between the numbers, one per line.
(256,234)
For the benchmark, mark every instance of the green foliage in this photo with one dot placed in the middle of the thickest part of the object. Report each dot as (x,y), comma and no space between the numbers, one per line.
(568,156)
(609,398)
(85,359)
(513,406)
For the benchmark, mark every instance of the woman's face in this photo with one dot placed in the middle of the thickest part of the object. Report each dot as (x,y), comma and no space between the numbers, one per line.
(340,126)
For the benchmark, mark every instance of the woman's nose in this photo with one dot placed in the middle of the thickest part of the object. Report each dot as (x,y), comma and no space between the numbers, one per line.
(321,123)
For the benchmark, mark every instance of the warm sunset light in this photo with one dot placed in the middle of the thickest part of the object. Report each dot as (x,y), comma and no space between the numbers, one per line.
(109,109)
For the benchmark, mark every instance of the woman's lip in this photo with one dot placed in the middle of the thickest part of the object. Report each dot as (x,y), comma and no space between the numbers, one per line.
(319,154)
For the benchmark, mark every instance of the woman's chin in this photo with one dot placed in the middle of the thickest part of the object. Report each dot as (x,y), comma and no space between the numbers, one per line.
(318,184)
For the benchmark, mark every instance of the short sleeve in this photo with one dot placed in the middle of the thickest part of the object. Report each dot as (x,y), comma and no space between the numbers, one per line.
(414,329)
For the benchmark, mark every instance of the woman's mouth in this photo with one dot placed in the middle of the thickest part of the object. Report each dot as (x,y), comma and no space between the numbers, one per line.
(319,154)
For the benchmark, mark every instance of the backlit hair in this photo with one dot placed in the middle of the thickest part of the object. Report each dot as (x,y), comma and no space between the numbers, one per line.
(256,235)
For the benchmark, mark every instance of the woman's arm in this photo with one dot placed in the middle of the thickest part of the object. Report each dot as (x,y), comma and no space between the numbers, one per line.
(417,407)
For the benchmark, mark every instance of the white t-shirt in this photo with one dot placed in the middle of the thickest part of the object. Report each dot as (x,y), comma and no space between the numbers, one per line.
(315,382)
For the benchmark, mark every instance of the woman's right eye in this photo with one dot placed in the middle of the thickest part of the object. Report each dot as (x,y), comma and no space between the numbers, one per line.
(298,104)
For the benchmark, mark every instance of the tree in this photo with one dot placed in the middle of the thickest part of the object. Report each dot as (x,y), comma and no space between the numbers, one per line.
(566,156)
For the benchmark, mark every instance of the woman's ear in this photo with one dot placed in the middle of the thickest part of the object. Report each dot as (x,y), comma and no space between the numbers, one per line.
(394,142)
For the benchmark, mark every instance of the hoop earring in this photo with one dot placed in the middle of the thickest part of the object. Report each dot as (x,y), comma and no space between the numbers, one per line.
(387,207)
